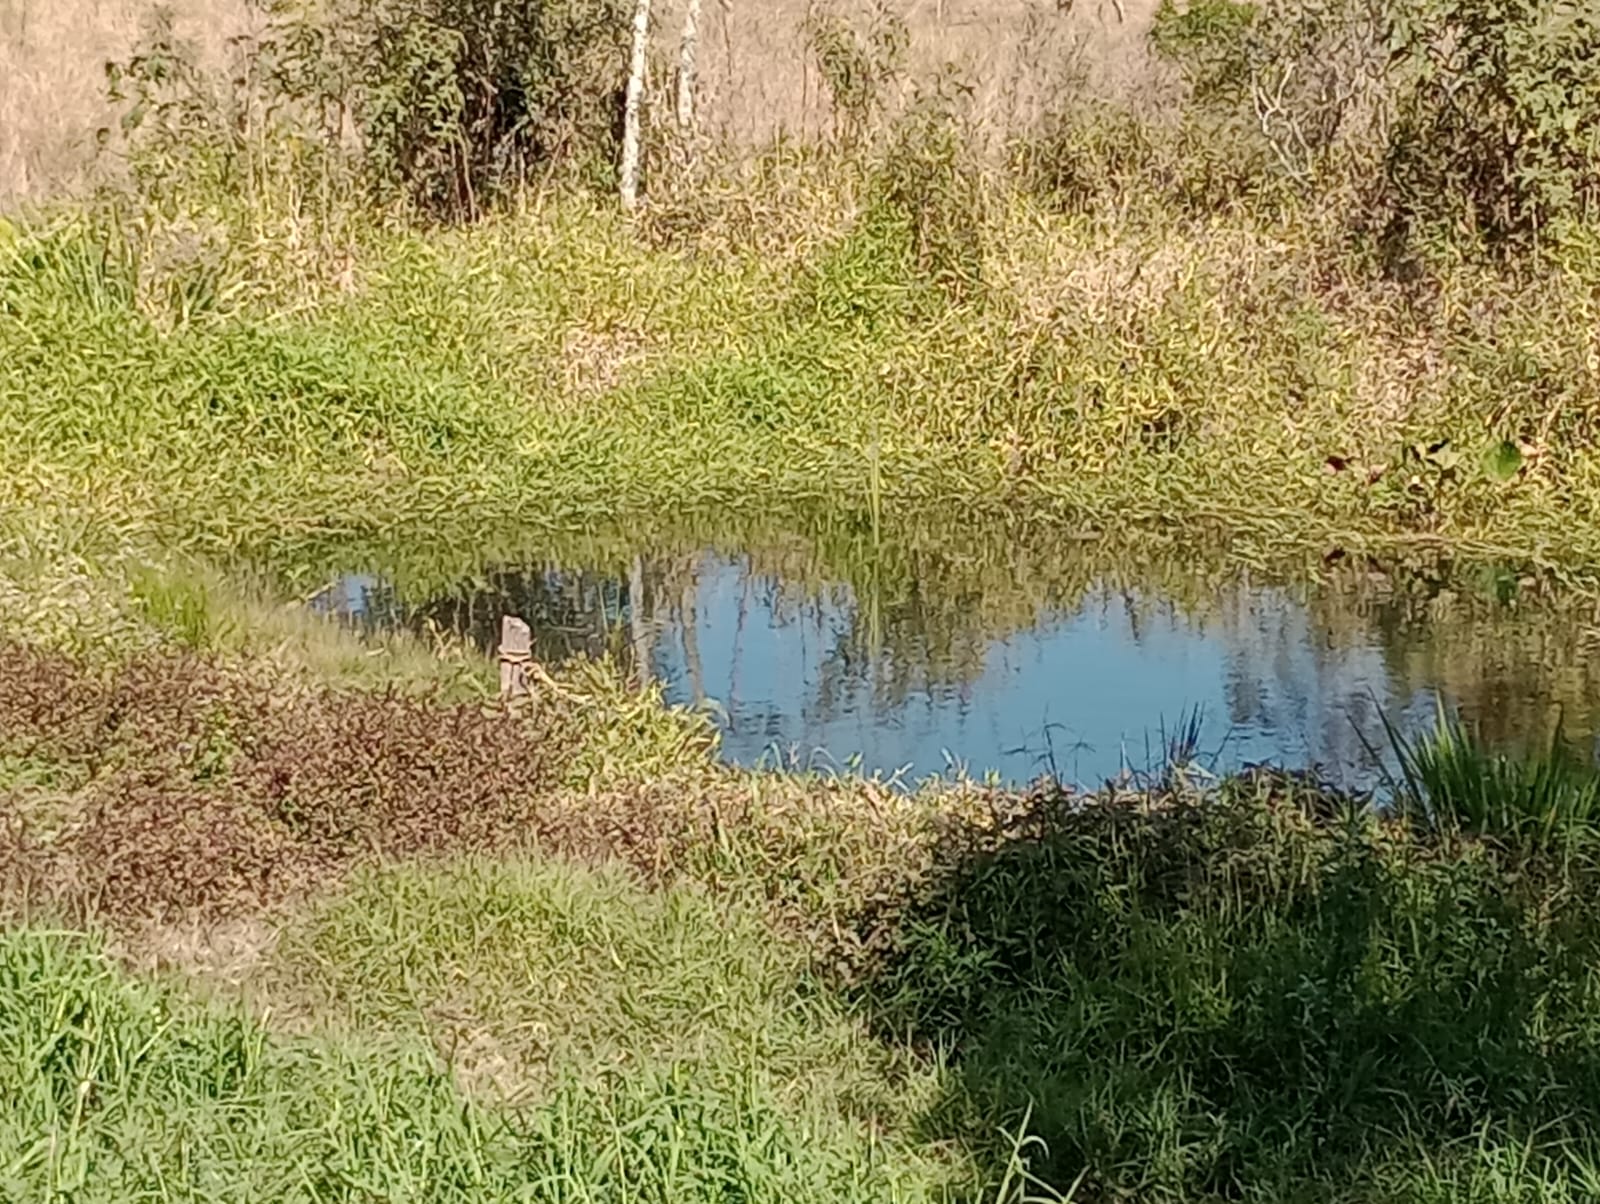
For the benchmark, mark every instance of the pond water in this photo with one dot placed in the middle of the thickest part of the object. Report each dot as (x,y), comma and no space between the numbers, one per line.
(1087,674)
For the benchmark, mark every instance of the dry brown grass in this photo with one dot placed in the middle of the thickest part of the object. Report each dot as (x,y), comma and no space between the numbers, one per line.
(759,79)
(52,78)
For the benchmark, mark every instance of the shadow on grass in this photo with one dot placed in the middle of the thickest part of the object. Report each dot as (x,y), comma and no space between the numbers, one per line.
(1260,995)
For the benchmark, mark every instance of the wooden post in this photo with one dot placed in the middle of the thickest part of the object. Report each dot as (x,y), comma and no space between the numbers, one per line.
(516,653)
(639,624)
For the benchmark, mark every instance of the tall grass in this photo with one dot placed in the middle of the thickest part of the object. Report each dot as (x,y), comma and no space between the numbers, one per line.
(114,1090)
(795,990)
(1452,781)
(1260,995)
(551,370)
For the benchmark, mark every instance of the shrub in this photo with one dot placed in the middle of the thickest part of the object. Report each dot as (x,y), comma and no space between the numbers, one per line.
(1291,75)
(456,100)
(1499,119)
(207,789)
(442,104)
(928,185)
(857,64)
(1480,118)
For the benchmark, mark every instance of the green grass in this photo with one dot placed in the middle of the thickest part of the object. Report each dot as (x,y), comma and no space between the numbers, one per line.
(533,974)
(1228,998)
(1250,995)
(794,989)
(549,368)
(1452,781)
(116,1090)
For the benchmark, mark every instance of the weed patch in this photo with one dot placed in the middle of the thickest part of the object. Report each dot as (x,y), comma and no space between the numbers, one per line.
(1257,995)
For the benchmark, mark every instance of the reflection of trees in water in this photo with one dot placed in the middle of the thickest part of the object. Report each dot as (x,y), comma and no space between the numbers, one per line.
(572,613)
(1290,673)
(920,624)
(1509,671)
(893,649)
(1513,672)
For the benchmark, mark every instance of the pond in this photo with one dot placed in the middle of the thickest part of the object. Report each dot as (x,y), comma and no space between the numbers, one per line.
(929,665)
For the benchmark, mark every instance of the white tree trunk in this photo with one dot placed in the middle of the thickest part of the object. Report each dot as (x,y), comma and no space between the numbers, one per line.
(631,113)
(639,625)
(688,48)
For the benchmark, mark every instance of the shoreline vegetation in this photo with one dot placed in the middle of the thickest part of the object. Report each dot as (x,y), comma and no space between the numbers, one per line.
(272,936)
(295,914)
(552,369)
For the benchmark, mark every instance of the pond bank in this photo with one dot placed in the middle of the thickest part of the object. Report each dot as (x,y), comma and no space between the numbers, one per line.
(568,955)
(520,940)
(553,369)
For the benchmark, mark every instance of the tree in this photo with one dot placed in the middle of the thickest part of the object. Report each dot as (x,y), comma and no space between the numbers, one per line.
(631,114)
(688,47)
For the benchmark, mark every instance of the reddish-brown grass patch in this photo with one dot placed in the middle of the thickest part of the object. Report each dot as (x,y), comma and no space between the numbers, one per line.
(210,789)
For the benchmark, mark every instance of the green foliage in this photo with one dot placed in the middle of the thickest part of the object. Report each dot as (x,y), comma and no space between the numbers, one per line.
(1285,76)
(115,1090)
(1261,994)
(180,607)
(536,972)
(457,103)
(1503,461)
(1210,41)
(76,264)
(550,372)
(928,185)
(1452,782)
(185,127)
(1099,159)
(1477,120)
(1498,133)
(448,107)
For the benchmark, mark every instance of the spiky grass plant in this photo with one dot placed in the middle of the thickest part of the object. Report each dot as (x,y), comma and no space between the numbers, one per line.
(1451,781)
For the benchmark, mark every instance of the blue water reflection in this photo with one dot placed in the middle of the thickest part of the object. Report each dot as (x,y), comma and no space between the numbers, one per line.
(1087,687)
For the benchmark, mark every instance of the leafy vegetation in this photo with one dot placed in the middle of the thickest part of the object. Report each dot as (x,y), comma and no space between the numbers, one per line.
(1263,994)
(811,991)
(365,289)
(1473,122)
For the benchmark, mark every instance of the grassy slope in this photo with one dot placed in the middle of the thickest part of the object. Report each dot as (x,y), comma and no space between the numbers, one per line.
(551,370)
(1186,1000)
(677,1061)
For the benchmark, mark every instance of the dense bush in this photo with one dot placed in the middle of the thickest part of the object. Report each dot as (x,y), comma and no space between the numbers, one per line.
(1478,119)
(457,100)
(175,784)
(1254,996)
(444,105)
(928,186)
(1498,134)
